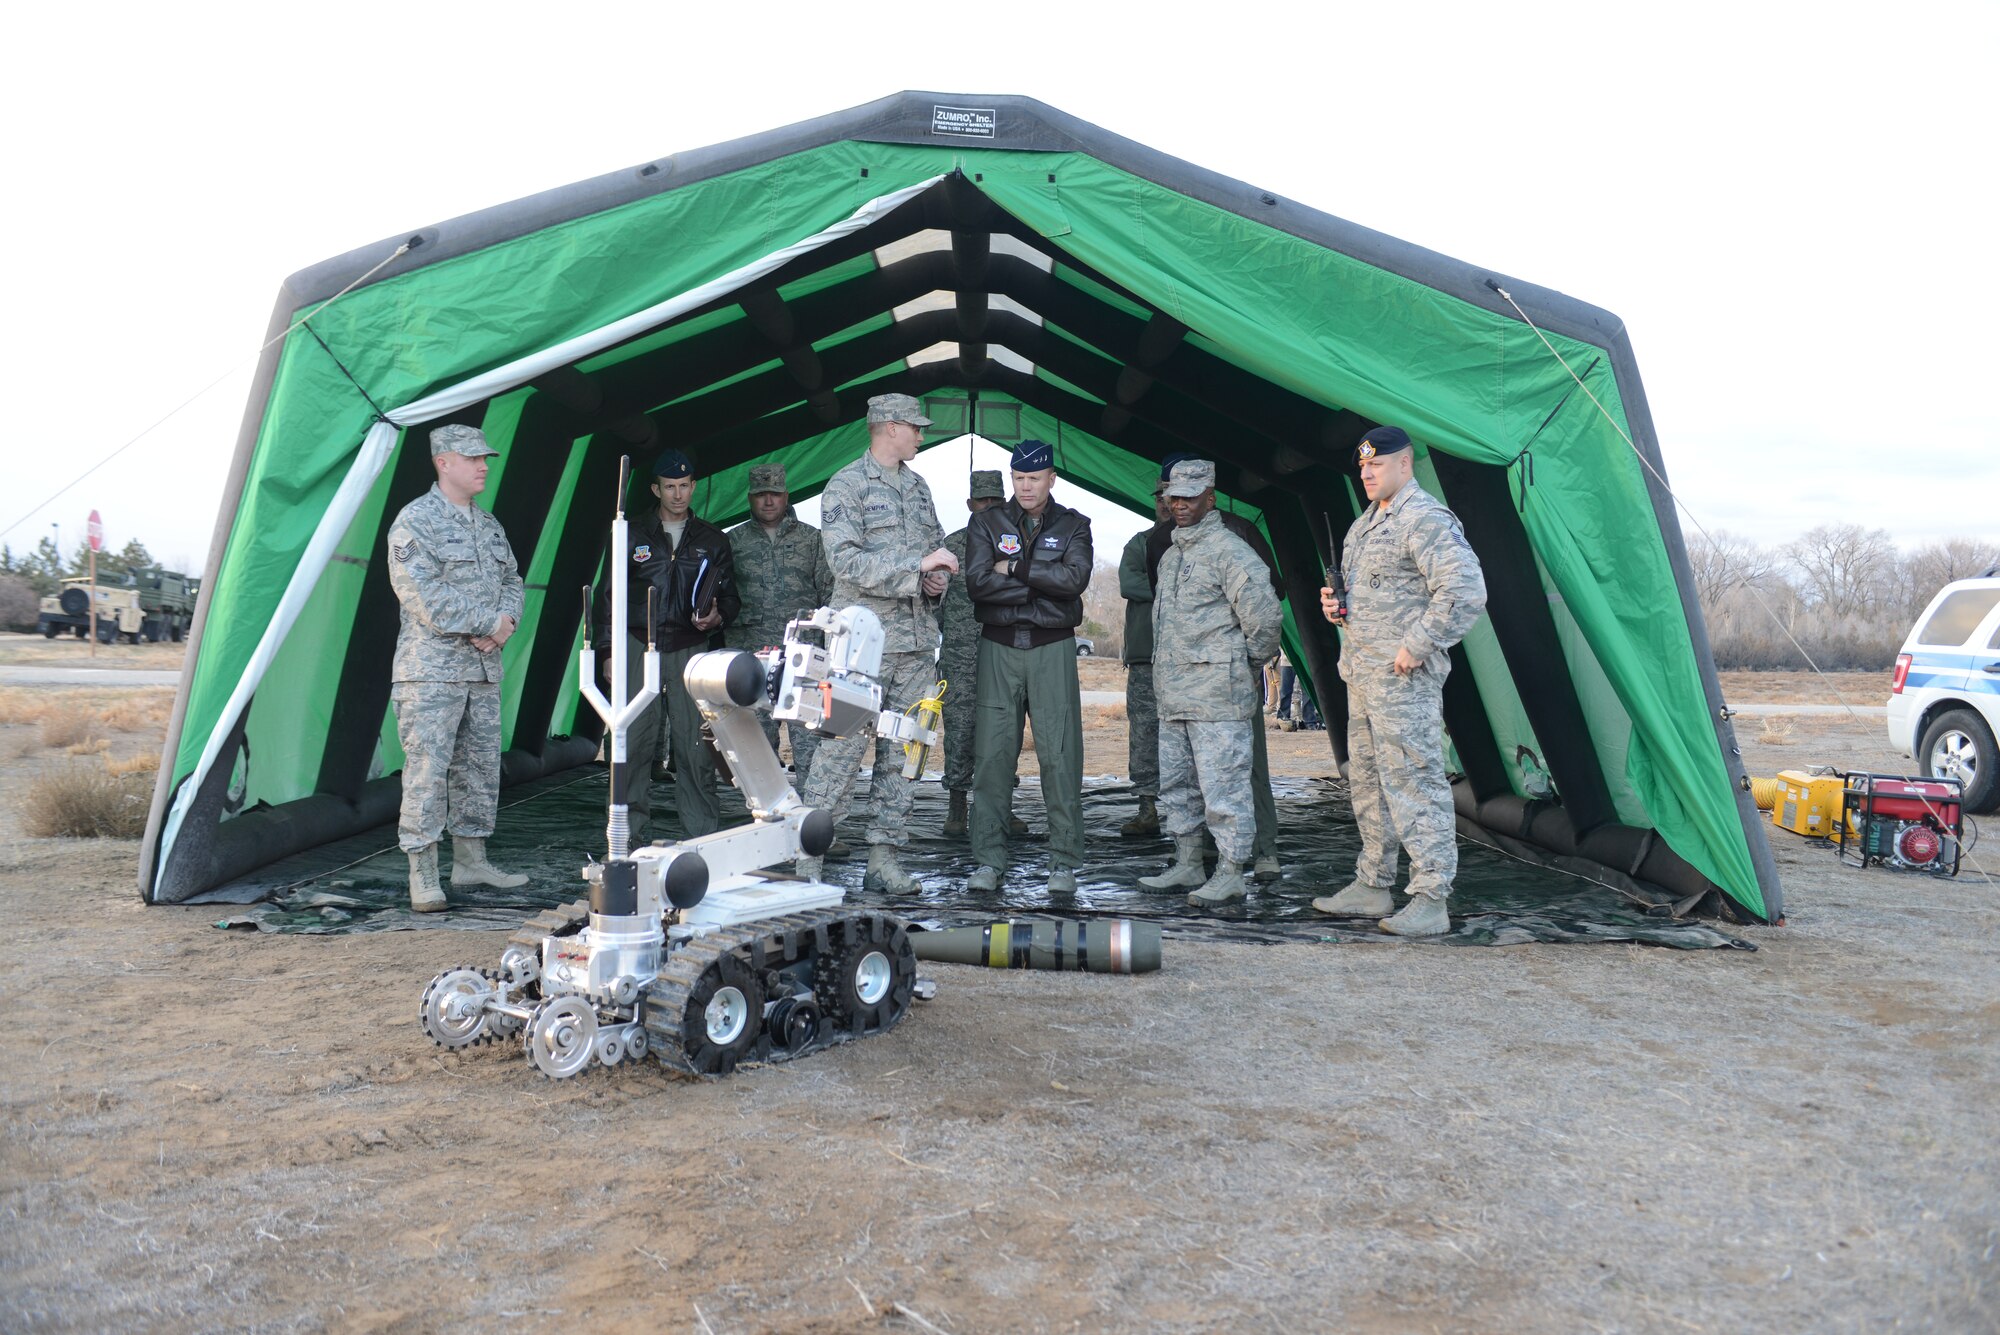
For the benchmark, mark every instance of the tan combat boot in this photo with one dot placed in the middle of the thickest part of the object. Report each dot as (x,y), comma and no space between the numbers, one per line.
(426,895)
(1424,915)
(1356,901)
(470,867)
(1267,869)
(984,880)
(1187,870)
(885,876)
(954,819)
(1145,825)
(1225,885)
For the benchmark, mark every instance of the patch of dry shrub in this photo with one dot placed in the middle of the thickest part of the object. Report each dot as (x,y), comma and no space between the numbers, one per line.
(146,763)
(137,712)
(20,705)
(116,710)
(67,728)
(83,799)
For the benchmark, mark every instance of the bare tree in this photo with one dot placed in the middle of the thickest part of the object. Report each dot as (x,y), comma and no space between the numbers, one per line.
(1931,567)
(1844,567)
(1723,563)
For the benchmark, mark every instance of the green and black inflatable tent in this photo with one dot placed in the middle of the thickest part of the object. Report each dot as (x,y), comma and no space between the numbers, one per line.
(743,301)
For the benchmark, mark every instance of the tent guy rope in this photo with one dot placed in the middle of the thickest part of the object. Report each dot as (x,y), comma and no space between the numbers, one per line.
(232,369)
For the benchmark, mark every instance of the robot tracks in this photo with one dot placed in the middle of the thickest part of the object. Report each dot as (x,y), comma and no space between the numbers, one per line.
(772,989)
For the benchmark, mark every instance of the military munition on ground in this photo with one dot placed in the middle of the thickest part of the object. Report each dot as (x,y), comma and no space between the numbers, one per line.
(1104,945)
(691,951)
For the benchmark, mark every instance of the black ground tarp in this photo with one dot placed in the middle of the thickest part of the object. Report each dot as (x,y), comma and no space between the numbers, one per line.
(360,884)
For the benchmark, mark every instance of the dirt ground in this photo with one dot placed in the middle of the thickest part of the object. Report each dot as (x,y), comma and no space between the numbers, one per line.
(218,1131)
(66,651)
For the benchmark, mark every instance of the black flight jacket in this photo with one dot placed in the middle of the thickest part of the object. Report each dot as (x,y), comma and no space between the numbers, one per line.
(1041,601)
(698,574)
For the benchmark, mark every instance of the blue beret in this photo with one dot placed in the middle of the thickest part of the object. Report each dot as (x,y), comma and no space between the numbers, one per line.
(1167,465)
(672,463)
(1032,456)
(1382,440)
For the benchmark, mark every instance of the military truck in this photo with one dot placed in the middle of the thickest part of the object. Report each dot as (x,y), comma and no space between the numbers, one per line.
(148,605)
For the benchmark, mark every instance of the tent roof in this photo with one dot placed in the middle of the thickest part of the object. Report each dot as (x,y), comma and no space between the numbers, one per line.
(743,301)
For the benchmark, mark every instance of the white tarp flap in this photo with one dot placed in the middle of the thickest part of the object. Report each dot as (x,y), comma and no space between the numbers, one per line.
(380,443)
(376,447)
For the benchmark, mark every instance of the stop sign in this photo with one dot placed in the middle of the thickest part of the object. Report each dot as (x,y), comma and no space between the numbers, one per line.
(96,531)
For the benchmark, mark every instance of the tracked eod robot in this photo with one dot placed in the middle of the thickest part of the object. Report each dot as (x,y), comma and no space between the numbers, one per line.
(691,950)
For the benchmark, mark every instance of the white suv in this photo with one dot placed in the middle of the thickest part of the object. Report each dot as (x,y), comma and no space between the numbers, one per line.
(1944,704)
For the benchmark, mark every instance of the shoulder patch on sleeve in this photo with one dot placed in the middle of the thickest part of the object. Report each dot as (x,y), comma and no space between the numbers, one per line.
(834,513)
(403,551)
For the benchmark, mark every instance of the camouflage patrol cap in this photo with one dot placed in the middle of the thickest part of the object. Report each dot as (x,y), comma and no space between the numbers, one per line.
(896,408)
(986,485)
(457,439)
(767,477)
(1191,477)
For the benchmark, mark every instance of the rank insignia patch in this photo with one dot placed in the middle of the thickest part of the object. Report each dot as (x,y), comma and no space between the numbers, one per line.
(403,551)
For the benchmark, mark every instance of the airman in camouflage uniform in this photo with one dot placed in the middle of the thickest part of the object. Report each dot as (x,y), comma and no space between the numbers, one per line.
(1142,711)
(781,571)
(1158,540)
(1414,589)
(1215,620)
(958,664)
(887,552)
(461,596)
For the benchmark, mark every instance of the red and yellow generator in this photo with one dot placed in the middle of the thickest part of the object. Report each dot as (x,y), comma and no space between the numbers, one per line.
(1905,824)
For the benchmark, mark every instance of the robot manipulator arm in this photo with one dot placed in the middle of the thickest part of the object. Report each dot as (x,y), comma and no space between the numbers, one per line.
(834,690)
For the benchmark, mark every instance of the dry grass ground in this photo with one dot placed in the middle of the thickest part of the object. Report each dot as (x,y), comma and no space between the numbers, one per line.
(143,709)
(205,1131)
(90,799)
(1805,688)
(17,650)
(84,760)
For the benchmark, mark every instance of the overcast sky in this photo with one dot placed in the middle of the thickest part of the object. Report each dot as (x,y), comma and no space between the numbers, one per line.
(1787,205)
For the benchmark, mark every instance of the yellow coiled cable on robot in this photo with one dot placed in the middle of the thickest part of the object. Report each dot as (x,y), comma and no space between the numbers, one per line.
(929,712)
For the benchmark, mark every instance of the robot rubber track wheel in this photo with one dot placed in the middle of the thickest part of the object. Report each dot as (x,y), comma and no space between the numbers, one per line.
(724,1019)
(864,983)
